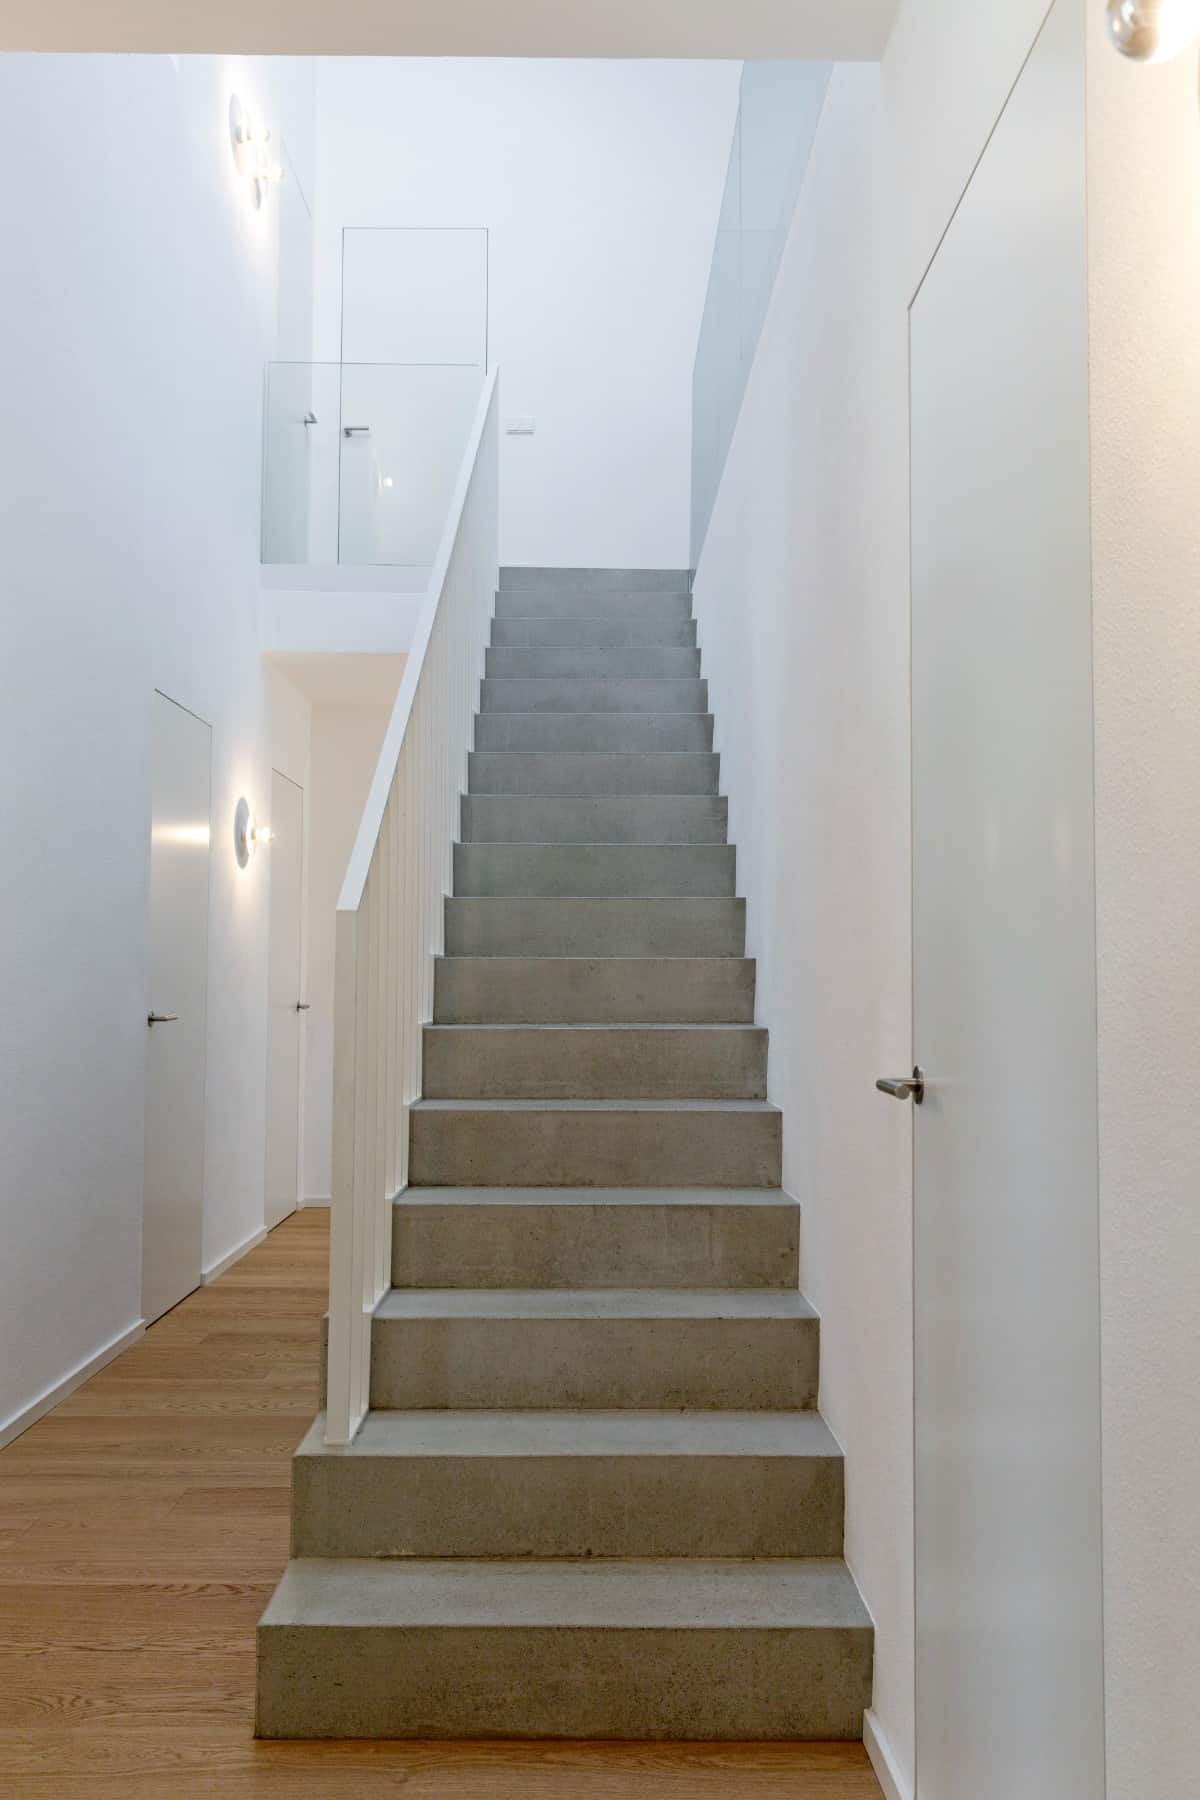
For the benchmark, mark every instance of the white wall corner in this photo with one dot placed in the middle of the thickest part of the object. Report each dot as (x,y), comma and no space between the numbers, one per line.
(50,1397)
(235,1255)
(895,1784)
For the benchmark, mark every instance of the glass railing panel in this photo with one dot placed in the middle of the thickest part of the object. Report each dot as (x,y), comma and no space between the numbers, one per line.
(780,105)
(359,459)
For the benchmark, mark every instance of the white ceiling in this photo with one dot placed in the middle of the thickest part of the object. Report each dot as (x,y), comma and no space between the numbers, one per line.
(342,678)
(850,30)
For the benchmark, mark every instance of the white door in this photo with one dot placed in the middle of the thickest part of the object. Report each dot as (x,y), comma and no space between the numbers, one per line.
(1006,1283)
(173,1205)
(287,1008)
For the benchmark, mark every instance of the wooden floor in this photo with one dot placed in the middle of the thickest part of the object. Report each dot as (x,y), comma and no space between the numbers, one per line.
(142,1527)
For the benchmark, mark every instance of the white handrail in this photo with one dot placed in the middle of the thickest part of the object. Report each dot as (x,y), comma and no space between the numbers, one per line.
(389,917)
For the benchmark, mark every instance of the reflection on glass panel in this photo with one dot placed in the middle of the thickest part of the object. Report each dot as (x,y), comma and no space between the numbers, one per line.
(360,459)
(777,118)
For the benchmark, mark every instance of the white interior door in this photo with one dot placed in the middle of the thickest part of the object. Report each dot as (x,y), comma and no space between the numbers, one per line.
(1006,1280)
(173,1205)
(286,1001)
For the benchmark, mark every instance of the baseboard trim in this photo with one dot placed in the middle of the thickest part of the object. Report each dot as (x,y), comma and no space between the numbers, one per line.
(50,1397)
(316,1200)
(883,1760)
(226,1262)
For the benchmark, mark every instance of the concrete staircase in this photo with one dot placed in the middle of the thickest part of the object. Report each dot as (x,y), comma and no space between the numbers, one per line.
(593,1497)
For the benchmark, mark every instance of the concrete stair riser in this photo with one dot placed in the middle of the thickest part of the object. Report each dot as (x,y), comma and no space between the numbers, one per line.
(572,1485)
(569,1062)
(590,1238)
(608,819)
(593,693)
(593,731)
(642,660)
(588,773)
(605,990)
(503,926)
(596,631)
(594,870)
(594,1350)
(594,1144)
(595,581)
(664,606)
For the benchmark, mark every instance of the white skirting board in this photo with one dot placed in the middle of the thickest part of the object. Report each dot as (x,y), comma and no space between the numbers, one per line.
(50,1397)
(234,1255)
(895,1785)
(316,1200)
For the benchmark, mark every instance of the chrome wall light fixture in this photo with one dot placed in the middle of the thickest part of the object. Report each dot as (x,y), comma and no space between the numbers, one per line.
(1153,30)
(245,833)
(251,155)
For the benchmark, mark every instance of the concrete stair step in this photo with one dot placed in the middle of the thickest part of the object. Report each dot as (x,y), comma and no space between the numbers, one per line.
(603,819)
(775,1648)
(663,606)
(720,1350)
(588,773)
(593,1484)
(597,630)
(535,578)
(478,925)
(593,731)
(595,1143)
(581,660)
(600,990)
(595,1238)
(594,1062)
(646,870)
(593,693)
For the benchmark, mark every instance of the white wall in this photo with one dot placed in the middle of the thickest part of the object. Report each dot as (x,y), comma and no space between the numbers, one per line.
(803,601)
(802,606)
(134,341)
(346,740)
(1144,182)
(599,183)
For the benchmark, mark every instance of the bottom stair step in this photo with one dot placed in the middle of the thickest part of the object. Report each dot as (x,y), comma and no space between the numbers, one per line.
(639,1649)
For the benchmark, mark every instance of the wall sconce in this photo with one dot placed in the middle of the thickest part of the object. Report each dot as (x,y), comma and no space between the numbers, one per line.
(1153,30)
(251,157)
(245,833)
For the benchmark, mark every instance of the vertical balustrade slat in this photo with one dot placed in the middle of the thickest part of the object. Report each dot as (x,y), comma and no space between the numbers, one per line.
(389,917)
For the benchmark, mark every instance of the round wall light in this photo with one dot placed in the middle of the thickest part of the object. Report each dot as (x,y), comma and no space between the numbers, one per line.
(251,157)
(1153,30)
(245,833)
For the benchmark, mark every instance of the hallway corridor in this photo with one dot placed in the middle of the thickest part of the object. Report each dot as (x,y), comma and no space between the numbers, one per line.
(143,1525)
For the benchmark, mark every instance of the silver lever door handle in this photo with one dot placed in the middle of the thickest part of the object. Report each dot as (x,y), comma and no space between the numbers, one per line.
(904,1087)
(303,1005)
(161,1018)
(355,430)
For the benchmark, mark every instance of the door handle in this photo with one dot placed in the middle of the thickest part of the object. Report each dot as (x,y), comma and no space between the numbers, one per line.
(355,430)
(303,1005)
(161,1018)
(904,1087)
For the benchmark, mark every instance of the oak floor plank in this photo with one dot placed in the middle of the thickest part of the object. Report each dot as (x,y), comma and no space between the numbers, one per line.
(143,1525)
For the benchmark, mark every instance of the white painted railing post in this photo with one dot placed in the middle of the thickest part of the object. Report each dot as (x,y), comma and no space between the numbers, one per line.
(389,917)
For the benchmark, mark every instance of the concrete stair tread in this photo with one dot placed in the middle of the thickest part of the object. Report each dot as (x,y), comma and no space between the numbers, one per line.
(816,1593)
(594,1197)
(467,1104)
(581,1434)
(516,1025)
(593,1303)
